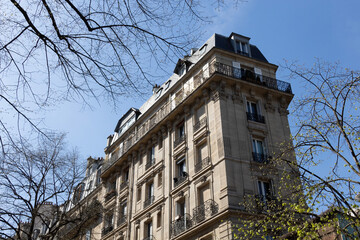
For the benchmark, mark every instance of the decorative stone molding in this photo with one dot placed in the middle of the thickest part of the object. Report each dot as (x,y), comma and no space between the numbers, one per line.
(282,109)
(268,105)
(187,110)
(237,96)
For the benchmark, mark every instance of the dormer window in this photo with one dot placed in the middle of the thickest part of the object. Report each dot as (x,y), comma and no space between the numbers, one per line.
(182,70)
(242,48)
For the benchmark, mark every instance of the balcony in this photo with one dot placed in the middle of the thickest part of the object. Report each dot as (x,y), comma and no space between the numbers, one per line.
(122,219)
(149,163)
(110,195)
(124,185)
(250,76)
(201,123)
(202,164)
(205,211)
(179,140)
(180,179)
(180,225)
(106,230)
(261,158)
(149,201)
(268,202)
(255,117)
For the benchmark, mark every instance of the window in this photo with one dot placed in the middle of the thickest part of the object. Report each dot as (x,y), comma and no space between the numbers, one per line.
(242,48)
(180,172)
(258,146)
(264,190)
(148,229)
(149,194)
(253,112)
(158,219)
(151,154)
(259,153)
(202,159)
(252,107)
(160,179)
(160,142)
(78,193)
(112,185)
(181,168)
(181,130)
(236,70)
(138,198)
(123,208)
(180,208)
(182,70)
(204,194)
(126,175)
(98,177)
(89,185)
(109,221)
(88,234)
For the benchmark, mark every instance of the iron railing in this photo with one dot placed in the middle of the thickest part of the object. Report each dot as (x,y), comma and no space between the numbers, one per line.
(110,195)
(255,117)
(149,201)
(202,164)
(205,211)
(179,140)
(180,179)
(149,163)
(261,158)
(122,219)
(106,230)
(181,224)
(267,202)
(250,76)
(201,123)
(214,67)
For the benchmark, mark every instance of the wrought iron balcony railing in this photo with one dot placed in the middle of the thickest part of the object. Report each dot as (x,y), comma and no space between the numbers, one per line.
(149,201)
(205,211)
(255,117)
(202,164)
(122,219)
(110,195)
(214,67)
(149,163)
(178,180)
(201,123)
(179,140)
(261,158)
(250,76)
(124,185)
(267,202)
(181,224)
(106,230)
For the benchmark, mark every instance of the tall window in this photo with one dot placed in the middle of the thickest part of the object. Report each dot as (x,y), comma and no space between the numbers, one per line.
(158,219)
(88,234)
(126,175)
(264,190)
(180,208)
(151,154)
(258,146)
(252,107)
(181,130)
(181,168)
(148,230)
(242,48)
(150,190)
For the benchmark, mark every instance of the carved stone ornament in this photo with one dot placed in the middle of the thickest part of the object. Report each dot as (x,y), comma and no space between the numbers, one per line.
(215,96)
(237,96)
(268,105)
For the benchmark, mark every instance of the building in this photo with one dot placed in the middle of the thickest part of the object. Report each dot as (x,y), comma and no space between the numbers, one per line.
(178,167)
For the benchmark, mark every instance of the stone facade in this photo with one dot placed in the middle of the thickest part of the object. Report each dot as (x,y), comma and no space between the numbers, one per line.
(180,166)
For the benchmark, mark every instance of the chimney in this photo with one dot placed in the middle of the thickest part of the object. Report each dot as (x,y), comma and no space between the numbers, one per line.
(109,140)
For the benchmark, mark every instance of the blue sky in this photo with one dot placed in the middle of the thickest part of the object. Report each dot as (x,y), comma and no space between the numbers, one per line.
(282,29)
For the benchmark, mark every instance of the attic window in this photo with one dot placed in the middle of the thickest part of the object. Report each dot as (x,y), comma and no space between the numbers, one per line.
(182,70)
(242,48)
(158,93)
(167,84)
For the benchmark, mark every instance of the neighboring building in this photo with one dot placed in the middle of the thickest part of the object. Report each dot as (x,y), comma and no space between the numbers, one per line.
(178,167)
